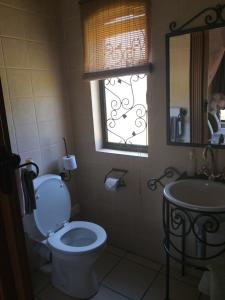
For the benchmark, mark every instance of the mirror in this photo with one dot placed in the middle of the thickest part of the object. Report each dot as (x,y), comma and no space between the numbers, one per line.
(196,87)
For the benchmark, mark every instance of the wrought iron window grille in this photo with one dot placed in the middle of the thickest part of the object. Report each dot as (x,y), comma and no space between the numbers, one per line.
(121,108)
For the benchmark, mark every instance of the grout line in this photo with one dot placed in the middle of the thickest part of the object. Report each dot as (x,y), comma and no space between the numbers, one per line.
(117,292)
(36,294)
(27,68)
(41,14)
(138,263)
(150,285)
(143,265)
(111,252)
(46,42)
(36,120)
(14,137)
(122,258)
(110,271)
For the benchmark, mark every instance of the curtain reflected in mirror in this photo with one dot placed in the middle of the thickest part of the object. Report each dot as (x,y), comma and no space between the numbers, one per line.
(197,87)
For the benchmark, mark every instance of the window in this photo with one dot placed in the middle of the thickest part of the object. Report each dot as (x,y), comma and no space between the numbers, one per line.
(116,47)
(124,112)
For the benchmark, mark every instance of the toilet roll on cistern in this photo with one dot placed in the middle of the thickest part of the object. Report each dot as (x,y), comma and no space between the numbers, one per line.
(69,162)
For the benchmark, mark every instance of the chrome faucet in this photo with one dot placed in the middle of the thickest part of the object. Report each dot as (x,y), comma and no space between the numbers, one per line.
(210,172)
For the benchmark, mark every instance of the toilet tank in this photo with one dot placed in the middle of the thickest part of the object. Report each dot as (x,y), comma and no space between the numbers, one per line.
(53,207)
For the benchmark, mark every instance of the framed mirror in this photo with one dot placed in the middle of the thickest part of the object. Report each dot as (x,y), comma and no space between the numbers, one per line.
(195,70)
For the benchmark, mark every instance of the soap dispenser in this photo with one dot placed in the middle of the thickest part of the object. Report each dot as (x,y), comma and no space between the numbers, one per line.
(191,165)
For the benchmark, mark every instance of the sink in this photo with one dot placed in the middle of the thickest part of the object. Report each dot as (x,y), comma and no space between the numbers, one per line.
(197,194)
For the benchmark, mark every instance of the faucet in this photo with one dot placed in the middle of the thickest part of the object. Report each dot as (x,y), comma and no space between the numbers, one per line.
(209,172)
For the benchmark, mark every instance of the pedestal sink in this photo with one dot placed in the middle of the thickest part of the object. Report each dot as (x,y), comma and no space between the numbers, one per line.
(193,220)
(197,195)
(200,204)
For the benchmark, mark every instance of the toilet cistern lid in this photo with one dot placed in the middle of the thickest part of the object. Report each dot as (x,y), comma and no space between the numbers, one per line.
(53,205)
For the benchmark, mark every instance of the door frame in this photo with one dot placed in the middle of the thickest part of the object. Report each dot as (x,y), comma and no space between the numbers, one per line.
(15,279)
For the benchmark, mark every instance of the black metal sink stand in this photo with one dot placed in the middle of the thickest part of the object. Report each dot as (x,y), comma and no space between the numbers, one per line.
(181,223)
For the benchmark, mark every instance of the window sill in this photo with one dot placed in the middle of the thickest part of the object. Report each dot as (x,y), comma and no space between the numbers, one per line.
(128,153)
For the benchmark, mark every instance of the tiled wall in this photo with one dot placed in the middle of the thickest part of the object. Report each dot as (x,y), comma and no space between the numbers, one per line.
(31,75)
(132,216)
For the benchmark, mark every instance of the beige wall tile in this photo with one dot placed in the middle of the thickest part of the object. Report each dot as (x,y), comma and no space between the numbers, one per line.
(8,109)
(46,83)
(42,29)
(27,137)
(23,110)
(51,132)
(19,83)
(4,83)
(52,158)
(69,9)
(34,155)
(12,22)
(31,6)
(15,53)
(49,108)
(43,56)
(1,55)
(8,2)
(37,28)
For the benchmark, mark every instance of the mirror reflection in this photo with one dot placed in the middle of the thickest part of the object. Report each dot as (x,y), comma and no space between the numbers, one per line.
(197,87)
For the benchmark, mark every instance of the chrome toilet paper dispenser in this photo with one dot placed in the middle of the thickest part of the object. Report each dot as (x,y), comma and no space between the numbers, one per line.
(114,179)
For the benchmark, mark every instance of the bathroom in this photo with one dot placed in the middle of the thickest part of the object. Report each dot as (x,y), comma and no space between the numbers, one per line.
(46,99)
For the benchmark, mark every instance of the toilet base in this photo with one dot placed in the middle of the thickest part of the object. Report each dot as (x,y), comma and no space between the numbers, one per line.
(75,280)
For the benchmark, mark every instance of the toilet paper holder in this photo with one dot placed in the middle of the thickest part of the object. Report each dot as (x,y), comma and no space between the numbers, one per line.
(117,173)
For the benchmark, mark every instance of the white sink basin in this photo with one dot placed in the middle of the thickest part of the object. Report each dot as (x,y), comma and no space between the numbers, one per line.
(197,194)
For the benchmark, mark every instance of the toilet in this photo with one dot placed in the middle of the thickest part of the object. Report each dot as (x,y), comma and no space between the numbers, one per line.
(75,246)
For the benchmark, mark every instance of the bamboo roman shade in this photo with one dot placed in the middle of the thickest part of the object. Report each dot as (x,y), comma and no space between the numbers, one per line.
(115,37)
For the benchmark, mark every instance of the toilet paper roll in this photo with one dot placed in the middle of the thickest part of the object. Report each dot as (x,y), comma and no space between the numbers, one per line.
(69,162)
(111,184)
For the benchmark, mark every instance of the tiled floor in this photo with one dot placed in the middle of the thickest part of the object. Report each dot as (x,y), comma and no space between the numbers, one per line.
(124,276)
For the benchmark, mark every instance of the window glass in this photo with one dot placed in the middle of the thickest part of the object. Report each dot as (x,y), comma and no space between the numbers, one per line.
(124,112)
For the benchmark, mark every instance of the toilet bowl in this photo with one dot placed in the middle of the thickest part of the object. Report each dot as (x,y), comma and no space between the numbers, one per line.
(75,246)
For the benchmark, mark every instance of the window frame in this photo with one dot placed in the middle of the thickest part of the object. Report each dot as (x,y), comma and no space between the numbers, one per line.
(105,143)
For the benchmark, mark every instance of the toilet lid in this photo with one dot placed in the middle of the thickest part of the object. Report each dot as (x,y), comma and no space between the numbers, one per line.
(53,205)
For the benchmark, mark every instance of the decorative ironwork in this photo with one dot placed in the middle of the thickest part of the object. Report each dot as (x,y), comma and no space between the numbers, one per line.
(198,223)
(213,16)
(169,172)
(123,107)
(181,223)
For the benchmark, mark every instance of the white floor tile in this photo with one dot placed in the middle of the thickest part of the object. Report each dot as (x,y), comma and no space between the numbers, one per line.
(129,279)
(116,251)
(178,291)
(40,280)
(50,293)
(106,294)
(105,264)
(144,262)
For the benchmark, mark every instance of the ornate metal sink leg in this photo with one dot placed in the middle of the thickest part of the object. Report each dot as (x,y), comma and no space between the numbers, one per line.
(183,248)
(167,243)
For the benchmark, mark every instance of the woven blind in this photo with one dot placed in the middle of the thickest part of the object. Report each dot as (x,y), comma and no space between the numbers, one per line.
(115,37)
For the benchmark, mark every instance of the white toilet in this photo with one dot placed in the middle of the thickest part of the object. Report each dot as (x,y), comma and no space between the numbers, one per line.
(75,246)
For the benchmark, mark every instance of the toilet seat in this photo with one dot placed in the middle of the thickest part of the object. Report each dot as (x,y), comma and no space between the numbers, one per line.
(56,243)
